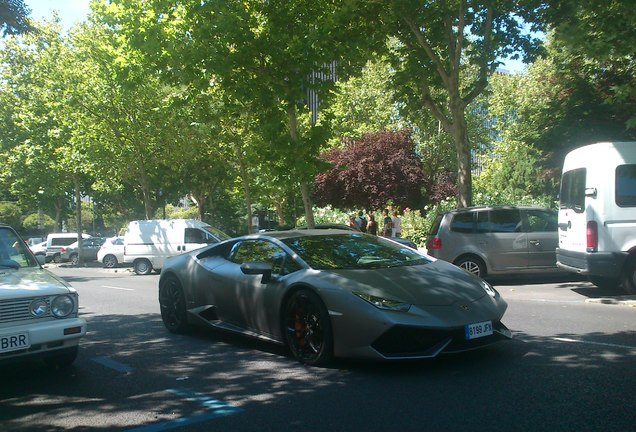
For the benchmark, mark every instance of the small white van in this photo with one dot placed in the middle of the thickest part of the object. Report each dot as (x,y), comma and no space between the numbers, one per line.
(597,214)
(148,243)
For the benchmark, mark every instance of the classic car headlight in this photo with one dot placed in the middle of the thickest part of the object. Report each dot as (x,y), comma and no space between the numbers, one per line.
(39,307)
(489,289)
(62,306)
(385,304)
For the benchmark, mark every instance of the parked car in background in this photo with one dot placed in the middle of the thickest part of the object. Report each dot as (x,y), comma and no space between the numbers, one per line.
(111,253)
(496,240)
(597,214)
(90,247)
(38,310)
(148,243)
(40,250)
(56,241)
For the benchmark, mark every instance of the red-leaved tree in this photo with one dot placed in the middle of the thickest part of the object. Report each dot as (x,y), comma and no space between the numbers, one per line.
(369,173)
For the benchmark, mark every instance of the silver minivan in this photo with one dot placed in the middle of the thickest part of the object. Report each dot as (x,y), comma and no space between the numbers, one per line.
(496,240)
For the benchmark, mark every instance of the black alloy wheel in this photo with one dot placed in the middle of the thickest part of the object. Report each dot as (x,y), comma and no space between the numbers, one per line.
(173,305)
(308,328)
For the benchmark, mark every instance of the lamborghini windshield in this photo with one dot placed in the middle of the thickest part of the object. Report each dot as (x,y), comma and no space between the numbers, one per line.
(353,251)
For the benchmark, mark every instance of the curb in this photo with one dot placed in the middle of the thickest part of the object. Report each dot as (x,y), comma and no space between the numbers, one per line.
(620,300)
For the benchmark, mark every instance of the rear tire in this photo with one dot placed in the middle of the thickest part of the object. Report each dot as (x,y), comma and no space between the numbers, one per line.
(109,261)
(629,276)
(472,264)
(74,259)
(57,258)
(142,266)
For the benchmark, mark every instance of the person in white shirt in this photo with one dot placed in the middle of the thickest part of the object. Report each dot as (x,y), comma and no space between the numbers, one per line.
(396,230)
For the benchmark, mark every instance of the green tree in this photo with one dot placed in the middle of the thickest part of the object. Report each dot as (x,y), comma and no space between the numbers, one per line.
(445,56)
(14,17)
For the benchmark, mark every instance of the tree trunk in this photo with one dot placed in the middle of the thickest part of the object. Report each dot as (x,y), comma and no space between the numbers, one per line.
(78,218)
(245,179)
(459,131)
(305,186)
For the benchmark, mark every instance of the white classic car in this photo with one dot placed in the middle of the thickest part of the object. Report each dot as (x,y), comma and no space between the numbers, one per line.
(38,310)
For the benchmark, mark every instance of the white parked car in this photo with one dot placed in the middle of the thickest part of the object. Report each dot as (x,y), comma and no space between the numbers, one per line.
(38,310)
(111,254)
(39,249)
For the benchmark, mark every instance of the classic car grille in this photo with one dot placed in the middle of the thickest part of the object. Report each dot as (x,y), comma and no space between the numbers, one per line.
(18,310)
(411,342)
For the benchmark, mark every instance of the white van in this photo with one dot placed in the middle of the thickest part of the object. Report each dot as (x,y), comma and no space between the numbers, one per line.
(147,243)
(597,214)
(56,241)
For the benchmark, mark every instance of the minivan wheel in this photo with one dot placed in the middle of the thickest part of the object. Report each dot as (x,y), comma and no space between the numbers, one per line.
(142,266)
(629,276)
(472,264)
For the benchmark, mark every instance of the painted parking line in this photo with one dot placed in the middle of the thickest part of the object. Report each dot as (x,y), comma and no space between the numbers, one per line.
(215,409)
(112,364)
(117,288)
(560,339)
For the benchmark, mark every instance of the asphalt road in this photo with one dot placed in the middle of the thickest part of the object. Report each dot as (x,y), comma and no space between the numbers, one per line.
(570,367)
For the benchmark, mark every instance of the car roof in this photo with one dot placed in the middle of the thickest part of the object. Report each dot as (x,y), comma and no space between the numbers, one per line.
(496,207)
(293,233)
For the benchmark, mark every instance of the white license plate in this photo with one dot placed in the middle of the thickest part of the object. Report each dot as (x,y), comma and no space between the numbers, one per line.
(14,342)
(477,330)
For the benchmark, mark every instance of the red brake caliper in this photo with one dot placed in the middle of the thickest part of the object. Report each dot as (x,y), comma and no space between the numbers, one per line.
(298,326)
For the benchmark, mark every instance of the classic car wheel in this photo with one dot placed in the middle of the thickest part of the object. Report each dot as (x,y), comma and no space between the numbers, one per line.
(472,264)
(142,266)
(308,328)
(74,259)
(109,261)
(63,359)
(173,305)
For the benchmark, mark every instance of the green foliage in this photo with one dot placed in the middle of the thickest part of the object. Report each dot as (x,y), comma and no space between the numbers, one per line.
(173,212)
(10,214)
(31,223)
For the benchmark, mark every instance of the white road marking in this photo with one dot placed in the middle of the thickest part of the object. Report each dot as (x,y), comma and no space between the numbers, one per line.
(117,288)
(593,343)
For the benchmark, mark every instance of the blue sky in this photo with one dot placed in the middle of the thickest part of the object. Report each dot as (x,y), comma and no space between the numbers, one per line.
(71,11)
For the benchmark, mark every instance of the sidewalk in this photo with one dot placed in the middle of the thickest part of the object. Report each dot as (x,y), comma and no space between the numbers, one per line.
(627,300)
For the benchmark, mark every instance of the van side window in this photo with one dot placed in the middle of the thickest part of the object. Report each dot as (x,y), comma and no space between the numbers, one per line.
(194,235)
(573,190)
(626,185)
(462,223)
(505,221)
(541,221)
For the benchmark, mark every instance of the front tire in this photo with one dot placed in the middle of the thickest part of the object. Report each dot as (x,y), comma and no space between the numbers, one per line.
(308,331)
(74,259)
(173,305)
(142,266)
(63,359)
(473,265)
(57,258)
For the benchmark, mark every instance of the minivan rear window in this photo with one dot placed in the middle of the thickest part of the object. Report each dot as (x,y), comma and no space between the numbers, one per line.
(573,190)
(626,185)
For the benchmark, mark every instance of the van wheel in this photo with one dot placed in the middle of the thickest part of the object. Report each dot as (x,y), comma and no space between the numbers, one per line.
(629,276)
(472,264)
(142,266)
